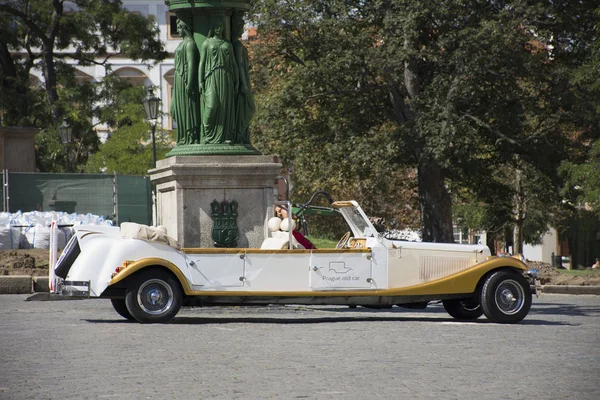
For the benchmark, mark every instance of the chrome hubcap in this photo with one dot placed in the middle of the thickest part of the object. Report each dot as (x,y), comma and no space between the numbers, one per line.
(509,297)
(155,296)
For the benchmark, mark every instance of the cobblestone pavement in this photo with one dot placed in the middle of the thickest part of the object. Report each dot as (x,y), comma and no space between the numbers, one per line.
(84,350)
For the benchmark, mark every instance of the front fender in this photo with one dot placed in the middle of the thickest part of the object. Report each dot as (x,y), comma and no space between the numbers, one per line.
(139,265)
(463,282)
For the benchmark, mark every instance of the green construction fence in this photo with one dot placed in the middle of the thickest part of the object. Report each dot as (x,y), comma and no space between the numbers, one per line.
(121,198)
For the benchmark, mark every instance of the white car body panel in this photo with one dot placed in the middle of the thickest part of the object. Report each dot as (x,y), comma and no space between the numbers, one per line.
(103,249)
(383,264)
(148,280)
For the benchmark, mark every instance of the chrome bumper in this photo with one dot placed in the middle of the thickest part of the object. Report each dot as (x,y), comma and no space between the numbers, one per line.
(74,288)
(535,286)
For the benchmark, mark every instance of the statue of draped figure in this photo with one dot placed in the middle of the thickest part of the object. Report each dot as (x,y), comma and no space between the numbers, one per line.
(185,103)
(244,103)
(218,85)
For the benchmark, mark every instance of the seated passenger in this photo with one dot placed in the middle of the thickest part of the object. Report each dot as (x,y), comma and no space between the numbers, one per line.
(300,238)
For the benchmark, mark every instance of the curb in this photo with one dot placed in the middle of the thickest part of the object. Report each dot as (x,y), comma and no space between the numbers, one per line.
(570,289)
(16,284)
(25,284)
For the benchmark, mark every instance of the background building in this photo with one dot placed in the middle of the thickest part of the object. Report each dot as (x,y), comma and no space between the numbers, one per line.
(159,76)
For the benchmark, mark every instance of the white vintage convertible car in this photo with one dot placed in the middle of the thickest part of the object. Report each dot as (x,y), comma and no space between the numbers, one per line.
(148,278)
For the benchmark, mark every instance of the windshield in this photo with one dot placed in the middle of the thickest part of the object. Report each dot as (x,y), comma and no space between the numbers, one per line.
(358,221)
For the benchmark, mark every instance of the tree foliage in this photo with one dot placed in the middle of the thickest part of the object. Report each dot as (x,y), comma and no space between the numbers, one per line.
(89,32)
(129,149)
(53,36)
(357,95)
(581,172)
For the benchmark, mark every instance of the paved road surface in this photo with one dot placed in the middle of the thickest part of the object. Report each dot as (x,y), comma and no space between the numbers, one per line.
(84,350)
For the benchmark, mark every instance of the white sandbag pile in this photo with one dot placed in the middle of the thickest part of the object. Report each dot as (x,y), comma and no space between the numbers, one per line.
(10,238)
(31,230)
(38,237)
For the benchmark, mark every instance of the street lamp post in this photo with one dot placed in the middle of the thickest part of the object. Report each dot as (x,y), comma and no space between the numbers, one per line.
(151,105)
(66,132)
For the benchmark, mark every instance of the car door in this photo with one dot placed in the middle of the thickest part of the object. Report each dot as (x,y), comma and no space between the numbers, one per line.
(217,270)
(341,269)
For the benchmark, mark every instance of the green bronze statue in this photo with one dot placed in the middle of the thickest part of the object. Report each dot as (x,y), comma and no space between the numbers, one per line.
(244,100)
(218,85)
(185,105)
(212,99)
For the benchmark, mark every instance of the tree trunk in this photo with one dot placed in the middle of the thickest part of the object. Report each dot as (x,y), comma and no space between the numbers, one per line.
(16,103)
(51,82)
(436,206)
(519,212)
(48,60)
(518,238)
(490,242)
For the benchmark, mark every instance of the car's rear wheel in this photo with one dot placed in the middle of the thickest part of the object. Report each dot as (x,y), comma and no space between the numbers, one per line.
(121,308)
(506,297)
(154,297)
(421,305)
(463,309)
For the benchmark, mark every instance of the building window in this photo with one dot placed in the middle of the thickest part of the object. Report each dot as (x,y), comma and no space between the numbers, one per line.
(172,26)
(169,78)
(461,235)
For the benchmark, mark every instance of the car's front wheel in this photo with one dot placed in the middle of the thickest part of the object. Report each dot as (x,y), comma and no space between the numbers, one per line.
(506,297)
(154,297)
(463,309)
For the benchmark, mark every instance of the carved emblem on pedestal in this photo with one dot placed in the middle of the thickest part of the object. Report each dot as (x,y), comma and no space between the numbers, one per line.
(225,231)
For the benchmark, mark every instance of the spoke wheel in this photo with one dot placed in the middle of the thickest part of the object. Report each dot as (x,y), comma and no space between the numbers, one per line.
(509,297)
(155,297)
(506,297)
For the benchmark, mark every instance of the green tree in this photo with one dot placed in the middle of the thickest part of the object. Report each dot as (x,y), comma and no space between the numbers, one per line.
(129,151)
(129,148)
(53,35)
(90,33)
(453,90)
(582,179)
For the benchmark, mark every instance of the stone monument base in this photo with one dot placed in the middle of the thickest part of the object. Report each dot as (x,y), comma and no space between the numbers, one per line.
(187,185)
(17,149)
(213,149)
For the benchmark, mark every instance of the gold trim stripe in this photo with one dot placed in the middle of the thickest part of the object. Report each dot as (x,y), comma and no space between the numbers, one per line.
(463,282)
(151,262)
(283,251)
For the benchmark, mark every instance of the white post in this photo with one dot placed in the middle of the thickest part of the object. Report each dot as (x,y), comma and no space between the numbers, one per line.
(53,254)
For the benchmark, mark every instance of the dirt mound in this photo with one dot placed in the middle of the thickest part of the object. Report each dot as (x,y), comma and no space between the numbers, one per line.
(555,276)
(24,262)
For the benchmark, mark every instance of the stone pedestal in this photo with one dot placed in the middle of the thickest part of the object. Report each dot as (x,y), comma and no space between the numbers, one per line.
(17,149)
(187,185)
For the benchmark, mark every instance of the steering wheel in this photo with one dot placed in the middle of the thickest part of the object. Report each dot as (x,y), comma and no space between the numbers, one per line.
(343,241)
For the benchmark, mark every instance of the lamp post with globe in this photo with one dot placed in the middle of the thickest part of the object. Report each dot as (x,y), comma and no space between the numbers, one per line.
(151,106)
(66,135)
